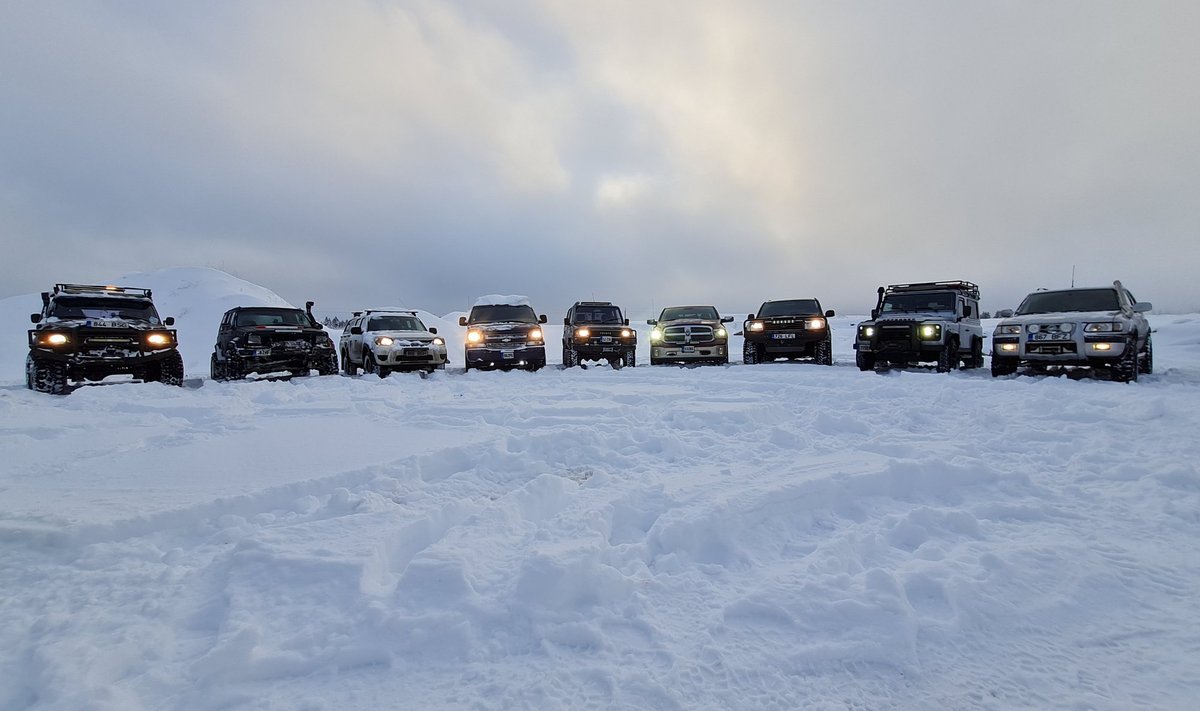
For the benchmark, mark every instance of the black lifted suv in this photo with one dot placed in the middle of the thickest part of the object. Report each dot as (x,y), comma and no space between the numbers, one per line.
(504,335)
(595,330)
(91,332)
(268,339)
(934,321)
(795,328)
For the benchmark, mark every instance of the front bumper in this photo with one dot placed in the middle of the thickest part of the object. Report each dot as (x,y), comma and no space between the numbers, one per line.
(1086,350)
(416,357)
(267,359)
(518,357)
(696,352)
(786,341)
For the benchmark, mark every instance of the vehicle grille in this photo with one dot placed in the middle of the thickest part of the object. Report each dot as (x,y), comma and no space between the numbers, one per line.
(895,333)
(687,334)
(784,323)
(1051,348)
(99,343)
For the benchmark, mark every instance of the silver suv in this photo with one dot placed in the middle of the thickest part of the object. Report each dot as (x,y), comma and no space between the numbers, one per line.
(1101,328)
(380,341)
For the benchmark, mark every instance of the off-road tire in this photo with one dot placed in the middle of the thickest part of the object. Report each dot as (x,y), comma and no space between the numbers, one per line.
(655,361)
(46,376)
(864,361)
(217,370)
(750,354)
(630,359)
(330,366)
(948,357)
(975,359)
(348,368)
(1002,365)
(570,357)
(1146,361)
(823,352)
(1125,370)
(369,366)
(170,370)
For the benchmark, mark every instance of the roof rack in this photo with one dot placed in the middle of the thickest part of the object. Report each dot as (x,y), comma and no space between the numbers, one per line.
(593,303)
(969,289)
(387,311)
(101,289)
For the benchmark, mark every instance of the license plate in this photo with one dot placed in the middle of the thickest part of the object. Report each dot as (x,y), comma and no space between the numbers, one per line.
(782,336)
(262,351)
(414,352)
(508,355)
(689,349)
(1049,336)
(606,339)
(864,346)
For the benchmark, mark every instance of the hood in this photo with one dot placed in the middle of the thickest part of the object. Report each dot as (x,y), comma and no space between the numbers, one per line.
(405,336)
(691,322)
(504,326)
(1064,317)
(914,316)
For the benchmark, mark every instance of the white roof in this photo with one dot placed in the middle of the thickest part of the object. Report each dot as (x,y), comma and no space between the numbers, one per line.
(502,300)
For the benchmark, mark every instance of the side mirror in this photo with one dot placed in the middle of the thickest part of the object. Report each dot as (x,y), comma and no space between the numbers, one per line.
(874,314)
(462,320)
(169,321)
(727,319)
(542,318)
(749,317)
(626,322)
(35,318)
(356,330)
(829,313)
(1142,307)
(566,321)
(651,322)
(433,330)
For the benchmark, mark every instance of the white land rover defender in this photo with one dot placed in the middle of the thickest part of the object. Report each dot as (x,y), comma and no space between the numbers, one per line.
(1101,328)
(927,322)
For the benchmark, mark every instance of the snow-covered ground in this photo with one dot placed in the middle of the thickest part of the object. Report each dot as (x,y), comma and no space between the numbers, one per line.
(779,536)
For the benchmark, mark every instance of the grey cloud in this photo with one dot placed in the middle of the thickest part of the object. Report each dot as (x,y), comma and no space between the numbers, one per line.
(371,151)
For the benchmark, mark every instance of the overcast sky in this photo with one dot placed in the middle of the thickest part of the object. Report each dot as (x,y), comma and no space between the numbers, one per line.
(366,151)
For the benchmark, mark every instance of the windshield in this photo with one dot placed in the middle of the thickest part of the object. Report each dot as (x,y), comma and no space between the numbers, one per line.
(88,307)
(500,312)
(598,314)
(395,323)
(698,312)
(908,303)
(272,317)
(789,308)
(1041,302)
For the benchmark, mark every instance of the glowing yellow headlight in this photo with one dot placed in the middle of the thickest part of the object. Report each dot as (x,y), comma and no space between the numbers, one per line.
(384,341)
(582,333)
(535,334)
(656,335)
(626,333)
(56,339)
(474,336)
(438,341)
(720,333)
(158,339)
(757,325)
(814,324)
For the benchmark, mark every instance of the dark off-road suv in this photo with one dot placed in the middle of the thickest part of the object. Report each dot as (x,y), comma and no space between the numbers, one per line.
(265,339)
(87,332)
(596,330)
(795,328)
(504,332)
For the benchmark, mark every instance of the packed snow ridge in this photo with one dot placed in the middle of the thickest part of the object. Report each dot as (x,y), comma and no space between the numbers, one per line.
(777,536)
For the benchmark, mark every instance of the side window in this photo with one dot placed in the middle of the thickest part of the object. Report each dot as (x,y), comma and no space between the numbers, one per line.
(968,310)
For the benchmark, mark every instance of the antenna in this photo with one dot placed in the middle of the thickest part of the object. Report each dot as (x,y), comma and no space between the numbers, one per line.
(1072,276)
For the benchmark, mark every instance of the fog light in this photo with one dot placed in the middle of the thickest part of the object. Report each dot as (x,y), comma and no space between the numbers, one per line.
(1102,346)
(1009,347)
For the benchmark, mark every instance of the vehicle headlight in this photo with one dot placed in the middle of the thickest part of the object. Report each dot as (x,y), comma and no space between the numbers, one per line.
(814,324)
(930,332)
(756,326)
(158,339)
(474,336)
(535,334)
(1106,327)
(1011,329)
(656,335)
(720,332)
(55,339)
(384,340)
(438,341)
(626,333)
(582,333)
(866,331)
